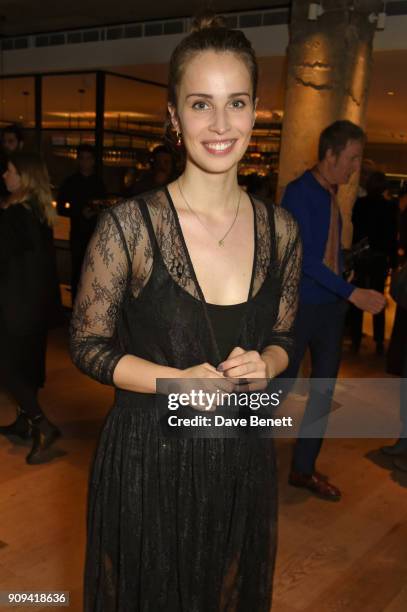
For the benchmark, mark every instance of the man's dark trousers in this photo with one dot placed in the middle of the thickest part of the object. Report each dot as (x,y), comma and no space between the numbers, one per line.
(318,327)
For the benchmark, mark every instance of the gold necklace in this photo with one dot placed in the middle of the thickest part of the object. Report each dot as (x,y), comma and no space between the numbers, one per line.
(221,240)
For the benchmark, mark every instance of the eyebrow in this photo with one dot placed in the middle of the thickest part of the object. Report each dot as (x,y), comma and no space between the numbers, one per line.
(210,97)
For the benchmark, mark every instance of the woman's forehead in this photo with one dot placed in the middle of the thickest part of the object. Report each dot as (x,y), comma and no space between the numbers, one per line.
(210,69)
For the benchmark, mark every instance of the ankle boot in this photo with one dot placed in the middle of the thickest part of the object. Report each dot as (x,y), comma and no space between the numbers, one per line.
(21,426)
(44,435)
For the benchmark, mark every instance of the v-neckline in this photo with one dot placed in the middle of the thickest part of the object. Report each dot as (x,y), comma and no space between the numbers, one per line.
(189,260)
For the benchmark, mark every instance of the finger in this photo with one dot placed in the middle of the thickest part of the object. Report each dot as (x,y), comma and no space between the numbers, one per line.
(257,385)
(231,362)
(379,304)
(222,384)
(209,366)
(213,374)
(241,371)
(236,351)
(377,309)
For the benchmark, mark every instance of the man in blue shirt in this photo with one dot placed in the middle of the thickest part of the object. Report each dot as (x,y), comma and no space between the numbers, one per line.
(324,293)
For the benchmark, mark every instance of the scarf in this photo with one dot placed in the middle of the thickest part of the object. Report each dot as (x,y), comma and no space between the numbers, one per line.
(332,248)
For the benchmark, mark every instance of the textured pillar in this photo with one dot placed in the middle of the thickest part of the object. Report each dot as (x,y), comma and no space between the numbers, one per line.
(328,71)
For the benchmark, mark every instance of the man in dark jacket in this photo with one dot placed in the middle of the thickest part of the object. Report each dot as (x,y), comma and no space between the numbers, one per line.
(374,217)
(74,198)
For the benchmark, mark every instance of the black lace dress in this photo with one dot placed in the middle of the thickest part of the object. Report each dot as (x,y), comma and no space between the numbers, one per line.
(177,525)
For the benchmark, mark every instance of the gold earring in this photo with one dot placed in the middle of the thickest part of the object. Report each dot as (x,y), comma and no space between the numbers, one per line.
(179,139)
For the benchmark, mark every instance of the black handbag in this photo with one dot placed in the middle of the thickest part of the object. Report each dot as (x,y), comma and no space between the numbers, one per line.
(351,257)
(398,286)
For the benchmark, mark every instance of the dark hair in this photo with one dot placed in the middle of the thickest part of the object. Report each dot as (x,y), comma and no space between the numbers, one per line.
(337,135)
(13,129)
(377,184)
(85,148)
(160,149)
(209,33)
(157,151)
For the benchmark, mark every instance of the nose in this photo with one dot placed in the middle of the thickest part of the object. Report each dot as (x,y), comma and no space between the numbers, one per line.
(220,123)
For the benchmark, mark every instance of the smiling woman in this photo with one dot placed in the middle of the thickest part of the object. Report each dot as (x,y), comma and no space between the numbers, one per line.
(198,282)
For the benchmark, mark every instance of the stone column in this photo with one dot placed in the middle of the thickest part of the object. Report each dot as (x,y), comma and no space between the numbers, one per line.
(329,62)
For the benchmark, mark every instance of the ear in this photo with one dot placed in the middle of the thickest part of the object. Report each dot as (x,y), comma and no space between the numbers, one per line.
(330,156)
(174,117)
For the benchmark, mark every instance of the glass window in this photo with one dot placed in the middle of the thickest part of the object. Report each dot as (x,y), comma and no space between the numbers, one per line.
(17,101)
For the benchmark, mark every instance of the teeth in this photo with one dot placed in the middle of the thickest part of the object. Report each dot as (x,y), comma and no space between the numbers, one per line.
(219,146)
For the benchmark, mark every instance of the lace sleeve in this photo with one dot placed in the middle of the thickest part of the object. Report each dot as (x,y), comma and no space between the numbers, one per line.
(289,261)
(105,274)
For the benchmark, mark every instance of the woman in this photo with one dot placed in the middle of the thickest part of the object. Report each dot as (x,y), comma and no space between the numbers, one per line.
(28,295)
(192,281)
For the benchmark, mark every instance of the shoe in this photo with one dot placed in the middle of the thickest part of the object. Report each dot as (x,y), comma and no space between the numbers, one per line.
(396,449)
(44,435)
(21,427)
(401,463)
(316,484)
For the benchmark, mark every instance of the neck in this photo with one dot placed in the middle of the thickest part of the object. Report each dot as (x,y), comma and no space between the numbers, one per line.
(208,191)
(16,197)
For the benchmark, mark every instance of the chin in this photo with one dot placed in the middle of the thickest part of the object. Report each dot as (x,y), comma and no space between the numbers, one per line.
(216,165)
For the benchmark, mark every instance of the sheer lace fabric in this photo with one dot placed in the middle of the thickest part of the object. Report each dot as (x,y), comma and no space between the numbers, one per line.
(176,525)
(120,261)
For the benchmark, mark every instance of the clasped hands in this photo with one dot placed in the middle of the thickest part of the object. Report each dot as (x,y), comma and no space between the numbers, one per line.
(238,372)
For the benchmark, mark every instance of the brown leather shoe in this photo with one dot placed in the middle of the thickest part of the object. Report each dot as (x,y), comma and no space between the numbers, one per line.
(401,463)
(315,483)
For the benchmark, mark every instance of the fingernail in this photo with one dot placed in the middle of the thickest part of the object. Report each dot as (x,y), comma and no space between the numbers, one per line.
(220,368)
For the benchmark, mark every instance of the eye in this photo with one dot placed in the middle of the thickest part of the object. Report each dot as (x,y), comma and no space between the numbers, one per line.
(200,105)
(238,104)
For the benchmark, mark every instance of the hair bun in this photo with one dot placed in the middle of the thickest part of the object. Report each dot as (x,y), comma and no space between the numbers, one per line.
(206,21)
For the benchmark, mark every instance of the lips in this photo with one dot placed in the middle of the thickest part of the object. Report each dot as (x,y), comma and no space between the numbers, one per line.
(219,147)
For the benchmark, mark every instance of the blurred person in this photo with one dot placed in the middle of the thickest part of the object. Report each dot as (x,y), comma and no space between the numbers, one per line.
(396,358)
(129,182)
(367,168)
(324,294)
(29,297)
(402,223)
(74,199)
(12,140)
(161,170)
(260,186)
(397,365)
(374,217)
